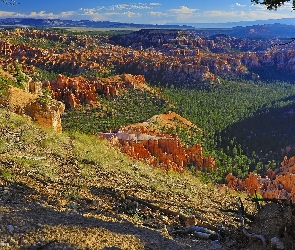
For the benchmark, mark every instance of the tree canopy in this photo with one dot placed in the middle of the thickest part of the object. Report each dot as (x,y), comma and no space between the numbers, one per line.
(11,2)
(273,4)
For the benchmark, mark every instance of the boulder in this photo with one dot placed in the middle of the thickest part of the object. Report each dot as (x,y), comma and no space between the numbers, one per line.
(25,103)
(46,116)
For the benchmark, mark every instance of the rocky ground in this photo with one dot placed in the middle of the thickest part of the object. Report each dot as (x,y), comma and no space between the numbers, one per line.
(61,191)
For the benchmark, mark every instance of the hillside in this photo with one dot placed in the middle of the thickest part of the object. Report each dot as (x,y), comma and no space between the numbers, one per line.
(57,186)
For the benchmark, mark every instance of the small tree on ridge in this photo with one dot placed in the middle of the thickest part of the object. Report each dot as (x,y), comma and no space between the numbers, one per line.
(273,4)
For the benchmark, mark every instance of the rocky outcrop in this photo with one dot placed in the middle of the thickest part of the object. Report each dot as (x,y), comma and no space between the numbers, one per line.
(145,141)
(30,104)
(278,184)
(47,116)
(74,91)
(165,152)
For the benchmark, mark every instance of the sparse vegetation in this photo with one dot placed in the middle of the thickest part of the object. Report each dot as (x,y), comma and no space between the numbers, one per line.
(5,83)
(45,98)
(6,174)
(19,76)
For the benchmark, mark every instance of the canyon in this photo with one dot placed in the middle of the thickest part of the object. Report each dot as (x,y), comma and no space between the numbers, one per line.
(180,57)
(169,56)
(46,75)
(166,56)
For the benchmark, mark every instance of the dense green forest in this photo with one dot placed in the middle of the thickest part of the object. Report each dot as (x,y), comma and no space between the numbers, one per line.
(245,123)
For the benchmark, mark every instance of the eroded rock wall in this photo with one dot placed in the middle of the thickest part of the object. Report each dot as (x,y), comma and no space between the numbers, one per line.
(164,151)
(46,116)
(278,184)
(26,103)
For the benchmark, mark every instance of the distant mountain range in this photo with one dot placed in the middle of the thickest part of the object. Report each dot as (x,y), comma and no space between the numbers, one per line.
(288,21)
(32,22)
(282,28)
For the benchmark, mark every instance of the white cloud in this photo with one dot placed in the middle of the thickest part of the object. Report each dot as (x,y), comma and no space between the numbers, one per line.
(130,14)
(182,10)
(135,12)
(232,16)
(158,14)
(114,16)
(118,7)
(182,13)
(140,6)
(155,4)
(40,14)
(240,5)
(66,14)
(124,9)
(7,14)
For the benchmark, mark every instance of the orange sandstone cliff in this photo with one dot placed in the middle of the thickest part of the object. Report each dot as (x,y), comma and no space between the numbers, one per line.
(29,104)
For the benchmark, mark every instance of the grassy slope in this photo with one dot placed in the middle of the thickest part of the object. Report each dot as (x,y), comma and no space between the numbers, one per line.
(57,186)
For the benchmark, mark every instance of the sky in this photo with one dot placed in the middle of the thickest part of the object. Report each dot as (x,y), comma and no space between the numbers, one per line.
(145,12)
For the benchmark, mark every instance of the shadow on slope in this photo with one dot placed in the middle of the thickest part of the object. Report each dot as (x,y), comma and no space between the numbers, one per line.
(268,73)
(264,135)
(42,225)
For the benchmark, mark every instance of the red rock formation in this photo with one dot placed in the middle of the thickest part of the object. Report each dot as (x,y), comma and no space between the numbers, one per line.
(176,57)
(166,152)
(77,90)
(279,184)
(144,141)
(287,166)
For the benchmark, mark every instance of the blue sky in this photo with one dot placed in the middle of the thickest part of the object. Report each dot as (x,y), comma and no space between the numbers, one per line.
(156,12)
